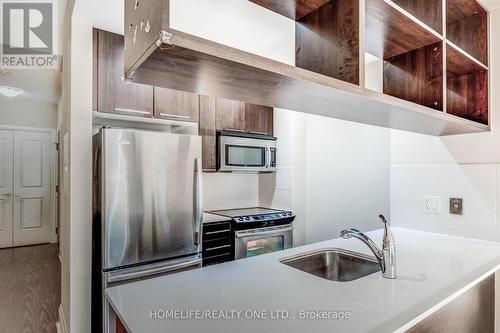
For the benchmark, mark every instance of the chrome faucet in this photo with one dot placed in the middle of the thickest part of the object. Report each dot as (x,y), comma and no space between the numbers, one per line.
(387,256)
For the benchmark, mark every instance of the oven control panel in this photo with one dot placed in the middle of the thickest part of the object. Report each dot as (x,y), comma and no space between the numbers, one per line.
(263,218)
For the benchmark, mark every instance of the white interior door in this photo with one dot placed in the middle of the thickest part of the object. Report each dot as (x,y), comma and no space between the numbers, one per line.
(6,161)
(32,200)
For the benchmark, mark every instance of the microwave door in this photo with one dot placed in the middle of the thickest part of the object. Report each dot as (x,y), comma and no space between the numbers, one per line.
(243,155)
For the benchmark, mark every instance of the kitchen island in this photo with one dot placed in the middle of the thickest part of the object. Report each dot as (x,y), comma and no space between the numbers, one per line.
(260,294)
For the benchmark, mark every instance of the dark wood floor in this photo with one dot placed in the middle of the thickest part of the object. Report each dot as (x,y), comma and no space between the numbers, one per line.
(29,289)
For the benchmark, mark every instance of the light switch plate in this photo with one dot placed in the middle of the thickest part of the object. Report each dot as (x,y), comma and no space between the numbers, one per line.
(431,204)
(456,206)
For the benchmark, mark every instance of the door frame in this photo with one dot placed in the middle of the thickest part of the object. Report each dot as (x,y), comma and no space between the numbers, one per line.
(53,171)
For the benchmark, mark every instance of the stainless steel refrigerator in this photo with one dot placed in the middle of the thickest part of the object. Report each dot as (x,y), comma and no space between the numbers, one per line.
(147,210)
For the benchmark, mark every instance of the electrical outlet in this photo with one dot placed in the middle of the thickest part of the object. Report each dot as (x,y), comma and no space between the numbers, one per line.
(431,204)
(456,206)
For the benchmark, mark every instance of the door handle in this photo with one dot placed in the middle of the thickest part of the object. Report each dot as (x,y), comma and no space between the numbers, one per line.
(131,111)
(198,201)
(174,116)
(268,158)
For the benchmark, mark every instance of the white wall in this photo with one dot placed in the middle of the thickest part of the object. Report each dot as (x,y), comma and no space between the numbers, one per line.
(285,189)
(347,177)
(27,113)
(464,166)
(76,174)
(225,191)
(237,23)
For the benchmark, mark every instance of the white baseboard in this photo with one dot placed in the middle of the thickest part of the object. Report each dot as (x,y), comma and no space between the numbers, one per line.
(61,325)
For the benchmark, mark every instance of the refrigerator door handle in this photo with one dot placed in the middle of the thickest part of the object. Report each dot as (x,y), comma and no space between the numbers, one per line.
(152,271)
(198,200)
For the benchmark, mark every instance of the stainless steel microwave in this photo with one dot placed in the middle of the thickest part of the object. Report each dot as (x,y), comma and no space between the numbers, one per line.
(245,152)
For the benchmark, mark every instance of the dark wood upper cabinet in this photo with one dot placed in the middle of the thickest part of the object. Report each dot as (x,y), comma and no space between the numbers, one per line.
(259,119)
(244,117)
(224,114)
(111,92)
(230,115)
(208,133)
(176,105)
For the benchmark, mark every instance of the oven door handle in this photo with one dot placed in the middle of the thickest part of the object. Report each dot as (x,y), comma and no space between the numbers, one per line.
(242,234)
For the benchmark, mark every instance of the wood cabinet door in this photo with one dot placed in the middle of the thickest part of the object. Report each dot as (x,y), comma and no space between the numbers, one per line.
(113,93)
(230,115)
(176,105)
(208,133)
(258,119)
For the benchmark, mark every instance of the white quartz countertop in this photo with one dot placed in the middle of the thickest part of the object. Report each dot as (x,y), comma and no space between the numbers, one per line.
(210,218)
(432,270)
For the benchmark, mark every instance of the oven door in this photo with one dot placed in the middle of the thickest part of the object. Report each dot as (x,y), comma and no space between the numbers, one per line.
(242,154)
(254,242)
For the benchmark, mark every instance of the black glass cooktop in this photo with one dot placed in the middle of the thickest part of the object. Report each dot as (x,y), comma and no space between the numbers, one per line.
(256,217)
(246,211)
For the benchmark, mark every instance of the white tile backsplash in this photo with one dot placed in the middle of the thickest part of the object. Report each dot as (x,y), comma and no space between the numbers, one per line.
(230,190)
(284,177)
(477,184)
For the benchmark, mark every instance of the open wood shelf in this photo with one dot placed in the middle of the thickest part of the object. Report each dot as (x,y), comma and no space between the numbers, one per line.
(459,63)
(391,31)
(208,68)
(325,80)
(467,96)
(467,27)
(458,10)
(327,41)
(428,11)
(294,9)
(467,86)
(417,76)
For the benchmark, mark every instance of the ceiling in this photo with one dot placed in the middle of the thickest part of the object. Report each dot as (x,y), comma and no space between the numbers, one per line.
(38,85)
(108,14)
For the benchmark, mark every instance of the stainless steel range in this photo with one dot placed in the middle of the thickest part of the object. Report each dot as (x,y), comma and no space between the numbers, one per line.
(259,230)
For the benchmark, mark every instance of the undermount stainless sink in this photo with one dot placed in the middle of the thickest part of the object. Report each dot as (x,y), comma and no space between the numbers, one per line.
(334,264)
